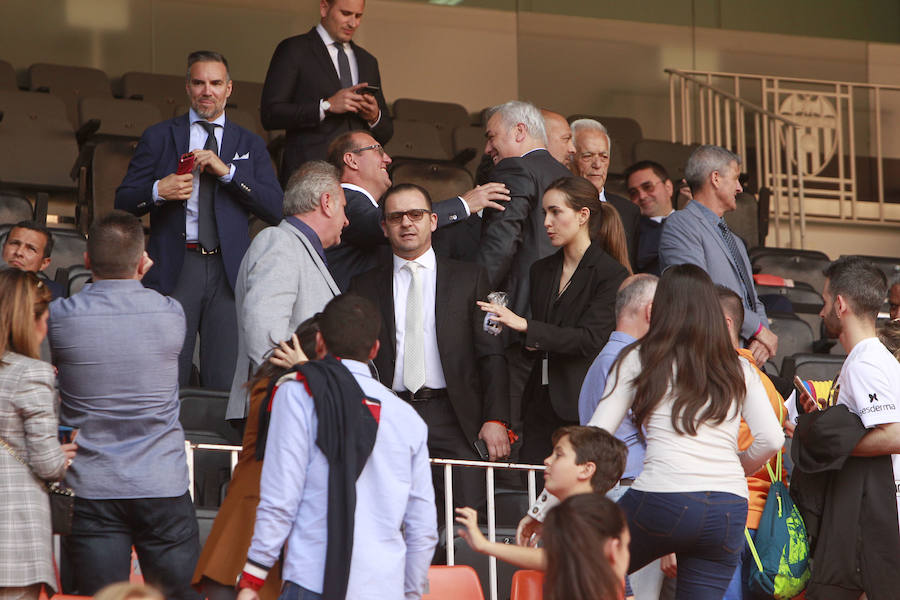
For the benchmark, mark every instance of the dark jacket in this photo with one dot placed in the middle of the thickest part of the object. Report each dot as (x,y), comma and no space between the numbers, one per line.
(849,507)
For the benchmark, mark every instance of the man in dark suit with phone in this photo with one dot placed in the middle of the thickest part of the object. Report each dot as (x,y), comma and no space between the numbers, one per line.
(435,353)
(320,85)
(199,212)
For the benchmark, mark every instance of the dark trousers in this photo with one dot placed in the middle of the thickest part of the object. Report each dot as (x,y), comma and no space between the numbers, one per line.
(447,440)
(705,530)
(163,531)
(540,421)
(208,302)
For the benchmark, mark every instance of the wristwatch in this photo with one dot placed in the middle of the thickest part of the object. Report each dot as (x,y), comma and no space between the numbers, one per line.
(326,105)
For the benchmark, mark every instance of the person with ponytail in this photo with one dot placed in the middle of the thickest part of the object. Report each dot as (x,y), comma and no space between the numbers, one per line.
(573,295)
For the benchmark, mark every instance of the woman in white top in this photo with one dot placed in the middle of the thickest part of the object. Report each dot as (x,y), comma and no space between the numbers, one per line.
(688,390)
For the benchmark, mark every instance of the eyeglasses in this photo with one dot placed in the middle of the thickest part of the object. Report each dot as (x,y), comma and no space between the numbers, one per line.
(415,215)
(647,187)
(376,147)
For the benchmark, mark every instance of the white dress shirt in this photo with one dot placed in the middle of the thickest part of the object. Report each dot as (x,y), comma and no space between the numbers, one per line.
(395,523)
(351,58)
(363,191)
(434,372)
(197,141)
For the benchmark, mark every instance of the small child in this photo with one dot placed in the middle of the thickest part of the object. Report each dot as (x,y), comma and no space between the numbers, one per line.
(584,460)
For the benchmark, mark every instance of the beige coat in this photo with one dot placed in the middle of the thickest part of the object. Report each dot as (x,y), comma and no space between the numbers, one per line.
(28,423)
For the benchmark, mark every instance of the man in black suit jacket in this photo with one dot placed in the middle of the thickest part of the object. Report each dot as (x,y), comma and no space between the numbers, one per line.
(453,372)
(592,154)
(198,220)
(650,188)
(363,167)
(316,87)
(512,240)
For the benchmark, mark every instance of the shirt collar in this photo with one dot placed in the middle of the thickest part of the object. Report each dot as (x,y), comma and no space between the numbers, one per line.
(621,336)
(660,218)
(194,117)
(709,215)
(534,150)
(326,38)
(356,367)
(356,188)
(427,260)
(603,194)
(310,234)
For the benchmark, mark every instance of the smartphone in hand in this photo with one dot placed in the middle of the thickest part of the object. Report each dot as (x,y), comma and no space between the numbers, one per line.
(185,164)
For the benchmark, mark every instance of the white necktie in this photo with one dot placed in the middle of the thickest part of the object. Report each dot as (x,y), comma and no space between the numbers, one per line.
(414,336)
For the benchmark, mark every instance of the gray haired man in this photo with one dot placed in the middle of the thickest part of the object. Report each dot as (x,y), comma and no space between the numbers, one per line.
(512,240)
(284,276)
(699,235)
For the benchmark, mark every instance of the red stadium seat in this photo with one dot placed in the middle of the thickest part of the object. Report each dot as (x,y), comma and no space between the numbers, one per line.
(527,585)
(459,582)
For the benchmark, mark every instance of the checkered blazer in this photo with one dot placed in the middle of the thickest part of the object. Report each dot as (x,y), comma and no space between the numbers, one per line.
(28,424)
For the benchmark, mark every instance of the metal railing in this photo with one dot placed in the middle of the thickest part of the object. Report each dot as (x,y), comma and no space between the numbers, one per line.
(804,135)
(489,467)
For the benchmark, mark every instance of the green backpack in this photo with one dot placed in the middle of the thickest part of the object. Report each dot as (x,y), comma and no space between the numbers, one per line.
(781,549)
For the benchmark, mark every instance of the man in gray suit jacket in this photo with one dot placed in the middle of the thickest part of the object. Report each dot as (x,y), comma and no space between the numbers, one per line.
(284,276)
(699,235)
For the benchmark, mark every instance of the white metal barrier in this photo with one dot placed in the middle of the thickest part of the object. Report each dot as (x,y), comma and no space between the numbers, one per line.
(489,467)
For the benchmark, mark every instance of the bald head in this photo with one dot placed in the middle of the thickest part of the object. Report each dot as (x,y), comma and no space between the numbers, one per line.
(559,137)
(634,301)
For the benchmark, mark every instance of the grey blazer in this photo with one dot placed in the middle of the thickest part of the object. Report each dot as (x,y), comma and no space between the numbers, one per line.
(282,281)
(27,423)
(688,236)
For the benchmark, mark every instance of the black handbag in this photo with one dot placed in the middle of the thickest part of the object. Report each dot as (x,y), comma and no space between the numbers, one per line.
(62,498)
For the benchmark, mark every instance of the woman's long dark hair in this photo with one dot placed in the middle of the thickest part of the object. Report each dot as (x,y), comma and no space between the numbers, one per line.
(604,224)
(688,339)
(575,535)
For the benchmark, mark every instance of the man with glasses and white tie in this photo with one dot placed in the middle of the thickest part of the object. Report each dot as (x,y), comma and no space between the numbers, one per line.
(435,352)
(650,188)
(363,167)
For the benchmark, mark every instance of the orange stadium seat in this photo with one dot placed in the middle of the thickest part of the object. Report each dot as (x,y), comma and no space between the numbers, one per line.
(445,116)
(527,585)
(458,582)
(165,91)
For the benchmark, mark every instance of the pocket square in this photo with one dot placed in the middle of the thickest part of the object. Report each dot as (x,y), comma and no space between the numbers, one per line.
(241,156)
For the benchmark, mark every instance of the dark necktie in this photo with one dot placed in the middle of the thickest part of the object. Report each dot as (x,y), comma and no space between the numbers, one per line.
(343,66)
(207,233)
(738,260)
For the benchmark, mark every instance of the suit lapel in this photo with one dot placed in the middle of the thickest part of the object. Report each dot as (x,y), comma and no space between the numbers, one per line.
(580,278)
(549,281)
(442,292)
(181,134)
(385,291)
(714,232)
(324,58)
(229,141)
(317,260)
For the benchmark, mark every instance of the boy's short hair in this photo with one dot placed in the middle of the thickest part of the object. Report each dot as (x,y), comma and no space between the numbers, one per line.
(592,444)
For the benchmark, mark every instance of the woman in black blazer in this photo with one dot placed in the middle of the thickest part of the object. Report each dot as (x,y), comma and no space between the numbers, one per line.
(573,296)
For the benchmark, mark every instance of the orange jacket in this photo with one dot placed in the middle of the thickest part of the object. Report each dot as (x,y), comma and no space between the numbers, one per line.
(758,483)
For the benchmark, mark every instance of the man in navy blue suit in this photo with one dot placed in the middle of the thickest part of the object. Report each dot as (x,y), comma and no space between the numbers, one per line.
(199,219)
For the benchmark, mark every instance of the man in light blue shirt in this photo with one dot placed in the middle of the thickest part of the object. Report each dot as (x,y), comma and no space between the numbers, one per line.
(395,523)
(116,346)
